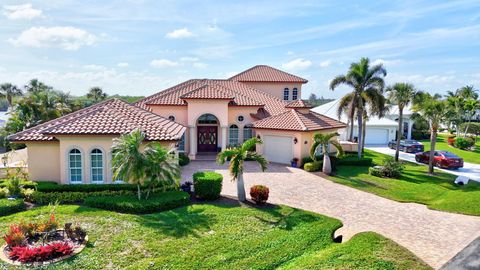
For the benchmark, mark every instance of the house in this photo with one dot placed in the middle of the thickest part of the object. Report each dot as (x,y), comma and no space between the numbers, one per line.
(197,117)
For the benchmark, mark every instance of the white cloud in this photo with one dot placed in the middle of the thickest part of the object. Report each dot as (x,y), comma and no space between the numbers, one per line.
(200,65)
(21,12)
(325,63)
(189,59)
(122,64)
(290,53)
(94,67)
(64,37)
(385,62)
(163,63)
(297,64)
(180,33)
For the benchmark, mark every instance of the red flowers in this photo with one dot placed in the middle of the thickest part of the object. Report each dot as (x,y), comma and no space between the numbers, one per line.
(26,254)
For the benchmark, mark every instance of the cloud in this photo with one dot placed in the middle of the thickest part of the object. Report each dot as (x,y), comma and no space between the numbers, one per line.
(94,67)
(189,59)
(122,64)
(200,65)
(385,62)
(64,37)
(297,64)
(163,63)
(21,12)
(325,63)
(180,33)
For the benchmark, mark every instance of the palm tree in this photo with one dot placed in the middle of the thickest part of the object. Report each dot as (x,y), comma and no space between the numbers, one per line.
(34,86)
(161,167)
(324,140)
(237,156)
(374,105)
(400,94)
(97,94)
(367,83)
(8,91)
(432,109)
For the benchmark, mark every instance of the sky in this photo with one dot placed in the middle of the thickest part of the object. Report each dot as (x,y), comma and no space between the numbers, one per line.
(141,47)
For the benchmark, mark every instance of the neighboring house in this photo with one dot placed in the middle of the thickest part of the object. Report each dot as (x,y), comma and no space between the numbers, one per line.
(197,117)
(408,122)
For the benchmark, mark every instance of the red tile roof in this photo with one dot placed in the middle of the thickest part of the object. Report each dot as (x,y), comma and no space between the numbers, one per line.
(298,104)
(262,73)
(298,121)
(111,117)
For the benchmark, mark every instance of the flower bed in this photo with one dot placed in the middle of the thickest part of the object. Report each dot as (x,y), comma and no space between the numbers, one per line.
(42,243)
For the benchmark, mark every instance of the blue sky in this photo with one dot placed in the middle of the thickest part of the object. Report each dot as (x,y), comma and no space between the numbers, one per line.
(141,47)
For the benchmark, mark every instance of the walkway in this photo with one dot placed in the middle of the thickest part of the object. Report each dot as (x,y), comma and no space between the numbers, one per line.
(433,236)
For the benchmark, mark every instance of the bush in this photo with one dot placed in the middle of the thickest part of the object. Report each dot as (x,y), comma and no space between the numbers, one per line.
(353,160)
(390,169)
(40,197)
(259,194)
(131,204)
(23,183)
(313,166)
(473,128)
(27,254)
(183,159)
(54,187)
(420,134)
(464,143)
(8,207)
(207,185)
(376,171)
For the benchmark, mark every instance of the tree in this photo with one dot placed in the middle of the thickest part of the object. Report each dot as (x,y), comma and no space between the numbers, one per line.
(432,109)
(367,83)
(324,140)
(8,91)
(400,94)
(149,166)
(237,157)
(97,94)
(34,85)
(470,107)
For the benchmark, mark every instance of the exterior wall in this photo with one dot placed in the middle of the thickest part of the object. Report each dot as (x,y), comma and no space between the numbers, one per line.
(234,112)
(276,88)
(44,161)
(179,112)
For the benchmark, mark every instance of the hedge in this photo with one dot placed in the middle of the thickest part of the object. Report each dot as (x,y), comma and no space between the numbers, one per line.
(8,207)
(183,159)
(40,197)
(25,184)
(352,160)
(313,166)
(130,204)
(54,187)
(207,185)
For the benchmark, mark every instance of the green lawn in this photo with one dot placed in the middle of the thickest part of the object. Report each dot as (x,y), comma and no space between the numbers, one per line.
(468,156)
(221,236)
(437,192)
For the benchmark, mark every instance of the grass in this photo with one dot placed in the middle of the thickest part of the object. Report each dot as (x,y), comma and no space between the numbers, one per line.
(468,156)
(220,236)
(415,185)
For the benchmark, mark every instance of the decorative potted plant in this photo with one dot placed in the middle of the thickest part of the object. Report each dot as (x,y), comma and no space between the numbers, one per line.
(187,187)
(294,162)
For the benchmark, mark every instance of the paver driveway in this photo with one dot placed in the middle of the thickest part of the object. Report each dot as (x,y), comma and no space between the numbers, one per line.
(433,236)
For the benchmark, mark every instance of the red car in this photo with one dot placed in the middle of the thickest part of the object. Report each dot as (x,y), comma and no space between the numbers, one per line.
(441,159)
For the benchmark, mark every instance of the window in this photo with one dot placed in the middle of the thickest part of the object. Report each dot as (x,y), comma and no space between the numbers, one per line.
(240,118)
(75,165)
(286,94)
(294,94)
(171,118)
(247,132)
(181,144)
(233,135)
(96,165)
(207,119)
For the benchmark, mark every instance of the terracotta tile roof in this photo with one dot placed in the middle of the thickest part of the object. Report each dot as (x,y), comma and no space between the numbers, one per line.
(298,104)
(263,73)
(298,121)
(111,117)
(208,91)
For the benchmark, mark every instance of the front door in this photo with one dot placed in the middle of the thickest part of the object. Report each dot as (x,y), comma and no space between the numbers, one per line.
(207,139)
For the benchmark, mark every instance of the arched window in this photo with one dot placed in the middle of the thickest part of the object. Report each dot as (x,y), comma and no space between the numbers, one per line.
(207,119)
(96,165)
(247,132)
(286,94)
(294,94)
(75,165)
(233,135)
(171,118)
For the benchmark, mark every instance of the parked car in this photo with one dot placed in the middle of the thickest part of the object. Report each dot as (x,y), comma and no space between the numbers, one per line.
(441,159)
(408,146)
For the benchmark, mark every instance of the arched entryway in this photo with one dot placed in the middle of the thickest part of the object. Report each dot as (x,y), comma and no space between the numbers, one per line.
(207,133)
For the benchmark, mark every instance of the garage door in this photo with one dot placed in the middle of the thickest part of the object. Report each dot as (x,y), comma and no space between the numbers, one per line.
(376,136)
(278,149)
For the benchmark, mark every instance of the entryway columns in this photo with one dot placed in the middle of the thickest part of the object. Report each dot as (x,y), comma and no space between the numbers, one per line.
(193,142)
(224,137)
(410,125)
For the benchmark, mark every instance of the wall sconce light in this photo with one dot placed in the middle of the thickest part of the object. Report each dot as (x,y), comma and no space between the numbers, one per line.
(258,137)
(295,140)
(305,142)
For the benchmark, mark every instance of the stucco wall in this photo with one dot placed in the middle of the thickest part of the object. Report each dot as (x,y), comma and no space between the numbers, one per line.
(276,89)
(234,112)
(179,112)
(44,161)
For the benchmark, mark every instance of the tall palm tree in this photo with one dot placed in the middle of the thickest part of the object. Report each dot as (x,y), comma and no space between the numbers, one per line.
(400,94)
(374,105)
(162,166)
(237,157)
(34,85)
(346,106)
(367,83)
(433,110)
(97,94)
(8,91)
(324,140)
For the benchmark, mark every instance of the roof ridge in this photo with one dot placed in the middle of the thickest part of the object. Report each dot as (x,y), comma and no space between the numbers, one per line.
(166,91)
(295,113)
(267,66)
(239,92)
(323,115)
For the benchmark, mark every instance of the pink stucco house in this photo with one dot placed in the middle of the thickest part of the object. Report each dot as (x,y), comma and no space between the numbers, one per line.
(197,117)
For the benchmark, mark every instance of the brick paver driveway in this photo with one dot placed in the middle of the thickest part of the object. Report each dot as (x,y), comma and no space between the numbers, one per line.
(433,236)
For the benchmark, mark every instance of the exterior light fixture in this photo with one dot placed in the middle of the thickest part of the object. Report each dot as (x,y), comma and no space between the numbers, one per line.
(295,141)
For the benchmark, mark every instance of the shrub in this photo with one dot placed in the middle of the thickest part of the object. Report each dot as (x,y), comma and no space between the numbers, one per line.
(473,128)
(183,159)
(54,187)
(464,143)
(259,194)
(39,197)
(23,183)
(15,236)
(313,166)
(131,204)
(390,169)
(420,134)
(451,139)
(3,192)
(375,171)
(8,207)
(353,160)
(207,185)
(27,254)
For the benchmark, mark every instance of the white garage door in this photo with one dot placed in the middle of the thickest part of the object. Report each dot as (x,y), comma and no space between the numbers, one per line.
(376,136)
(278,149)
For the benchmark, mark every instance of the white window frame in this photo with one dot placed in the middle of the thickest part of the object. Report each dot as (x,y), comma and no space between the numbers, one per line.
(232,129)
(295,94)
(102,168)
(70,168)
(286,94)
